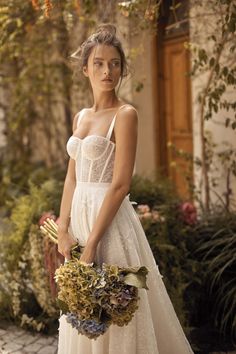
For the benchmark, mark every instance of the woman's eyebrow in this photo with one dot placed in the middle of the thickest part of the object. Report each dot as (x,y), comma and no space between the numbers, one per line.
(103,59)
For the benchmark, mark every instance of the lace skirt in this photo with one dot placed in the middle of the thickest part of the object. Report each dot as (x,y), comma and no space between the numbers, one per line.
(155,328)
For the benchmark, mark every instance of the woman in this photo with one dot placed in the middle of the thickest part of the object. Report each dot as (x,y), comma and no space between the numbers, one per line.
(96,210)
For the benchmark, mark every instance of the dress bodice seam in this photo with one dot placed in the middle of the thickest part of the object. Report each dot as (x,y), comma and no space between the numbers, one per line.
(95,135)
(103,153)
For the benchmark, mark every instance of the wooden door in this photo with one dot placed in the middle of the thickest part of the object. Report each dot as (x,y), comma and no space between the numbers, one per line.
(177,111)
(174,118)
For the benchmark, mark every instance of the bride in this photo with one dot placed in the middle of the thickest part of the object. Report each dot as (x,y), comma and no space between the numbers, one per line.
(96,211)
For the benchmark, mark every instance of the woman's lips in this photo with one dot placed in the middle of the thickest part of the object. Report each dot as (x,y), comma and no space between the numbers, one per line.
(107,80)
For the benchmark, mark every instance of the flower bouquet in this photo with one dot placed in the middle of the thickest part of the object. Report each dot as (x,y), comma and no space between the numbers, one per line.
(93,297)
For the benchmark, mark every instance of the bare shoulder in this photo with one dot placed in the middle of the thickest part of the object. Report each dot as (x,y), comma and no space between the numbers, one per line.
(127,107)
(75,119)
(126,126)
(128,111)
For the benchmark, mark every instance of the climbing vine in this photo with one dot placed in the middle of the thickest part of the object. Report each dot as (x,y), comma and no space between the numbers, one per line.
(216,59)
(40,93)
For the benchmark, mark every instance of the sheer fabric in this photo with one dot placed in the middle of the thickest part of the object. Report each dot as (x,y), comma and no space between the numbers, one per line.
(155,328)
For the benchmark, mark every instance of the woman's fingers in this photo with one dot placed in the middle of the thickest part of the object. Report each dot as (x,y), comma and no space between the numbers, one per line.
(65,243)
(63,252)
(67,255)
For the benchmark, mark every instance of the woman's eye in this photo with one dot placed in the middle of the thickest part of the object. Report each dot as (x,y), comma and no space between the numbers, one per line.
(114,64)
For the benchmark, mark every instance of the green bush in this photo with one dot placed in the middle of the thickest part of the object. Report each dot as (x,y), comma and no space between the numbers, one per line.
(167,237)
(197,261)
(25,292)
(215,239)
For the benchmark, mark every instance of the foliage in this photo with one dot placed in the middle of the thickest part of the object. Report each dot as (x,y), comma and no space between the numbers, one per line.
(216,59)
(25,211)
(36,40)
(36,79)
(218,157)
(216,247)
(14,183)
(39,272)
(39,96)
(26,293)
(167,237)
(40,92)
(142,13)
(152,191)
(197,261)
(31,302)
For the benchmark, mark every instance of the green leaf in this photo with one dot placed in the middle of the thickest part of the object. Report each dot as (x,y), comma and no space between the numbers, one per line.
(212,61)
(231,25)
(217,68)
(202,55)
(233,125)
(225,71)
(137,278)
(174,7)
(215,107)
(63,306)
(230,79)
(232,48)
(227,121)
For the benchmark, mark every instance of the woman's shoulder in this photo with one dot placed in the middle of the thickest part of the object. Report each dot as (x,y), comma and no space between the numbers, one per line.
(122,104)
(124,108)
(77,117)
(127,109)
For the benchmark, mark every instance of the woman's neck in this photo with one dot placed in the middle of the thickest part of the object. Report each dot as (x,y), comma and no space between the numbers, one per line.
(102,103)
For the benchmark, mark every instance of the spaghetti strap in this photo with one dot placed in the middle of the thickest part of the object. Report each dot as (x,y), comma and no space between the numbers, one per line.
(109,133)
(80,114)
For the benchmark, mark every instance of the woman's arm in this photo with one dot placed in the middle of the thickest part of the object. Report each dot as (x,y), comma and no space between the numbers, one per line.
(65,240)
(68,191)
(126,131)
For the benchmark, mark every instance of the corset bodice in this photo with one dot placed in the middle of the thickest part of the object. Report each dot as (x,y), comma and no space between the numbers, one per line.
(94,158)
(94,155)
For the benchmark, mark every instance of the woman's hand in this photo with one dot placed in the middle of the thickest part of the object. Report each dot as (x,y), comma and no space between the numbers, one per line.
(88,255)
(65,242)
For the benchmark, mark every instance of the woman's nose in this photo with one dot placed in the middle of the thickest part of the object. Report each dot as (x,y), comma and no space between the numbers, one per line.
(107,69)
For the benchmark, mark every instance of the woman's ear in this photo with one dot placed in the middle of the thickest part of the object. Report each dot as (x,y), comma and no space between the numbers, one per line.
(85,71)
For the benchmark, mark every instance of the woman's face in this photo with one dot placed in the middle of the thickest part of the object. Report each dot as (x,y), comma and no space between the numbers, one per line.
(104,67)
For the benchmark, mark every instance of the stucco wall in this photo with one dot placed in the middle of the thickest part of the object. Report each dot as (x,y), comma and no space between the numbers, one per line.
(144,72)
(203,22)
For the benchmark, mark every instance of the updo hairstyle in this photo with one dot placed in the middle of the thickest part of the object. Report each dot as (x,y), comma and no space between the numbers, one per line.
(104,34)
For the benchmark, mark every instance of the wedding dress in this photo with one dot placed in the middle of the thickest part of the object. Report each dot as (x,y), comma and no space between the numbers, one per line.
(155,328)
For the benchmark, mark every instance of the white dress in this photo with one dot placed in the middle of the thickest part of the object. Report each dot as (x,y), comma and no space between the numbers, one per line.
(155,328)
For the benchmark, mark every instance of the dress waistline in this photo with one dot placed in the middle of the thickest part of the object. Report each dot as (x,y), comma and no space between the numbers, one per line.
(93,184)
(101,184)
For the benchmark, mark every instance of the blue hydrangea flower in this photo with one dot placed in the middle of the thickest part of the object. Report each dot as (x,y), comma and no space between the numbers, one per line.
(91,328)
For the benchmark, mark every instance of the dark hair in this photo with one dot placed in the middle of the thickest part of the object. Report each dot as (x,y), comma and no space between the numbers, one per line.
(104,34)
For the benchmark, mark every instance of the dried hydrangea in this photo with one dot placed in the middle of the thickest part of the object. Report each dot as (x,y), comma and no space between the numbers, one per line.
(118,299)
(76,283)
(91,328)
(93,297)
